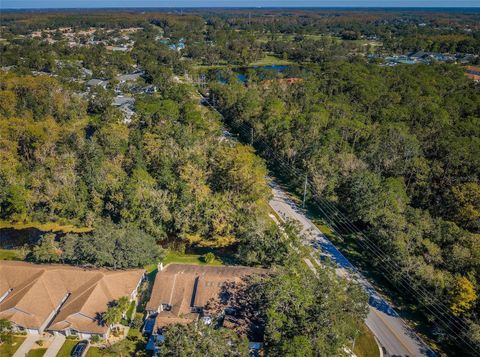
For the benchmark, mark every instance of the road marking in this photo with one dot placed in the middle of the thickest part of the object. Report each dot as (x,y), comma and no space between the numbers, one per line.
(391,330)
(282,202)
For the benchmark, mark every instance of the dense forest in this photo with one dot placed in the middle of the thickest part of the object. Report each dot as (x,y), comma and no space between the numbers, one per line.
(395,148)
(399,150)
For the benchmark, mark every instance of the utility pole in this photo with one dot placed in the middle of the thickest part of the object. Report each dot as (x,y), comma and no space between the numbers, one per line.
(251,136)
(305,190)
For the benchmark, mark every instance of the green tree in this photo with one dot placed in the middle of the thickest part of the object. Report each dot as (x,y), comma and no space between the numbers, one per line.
(46,250)
(198,338)
(5,331)
(464,295)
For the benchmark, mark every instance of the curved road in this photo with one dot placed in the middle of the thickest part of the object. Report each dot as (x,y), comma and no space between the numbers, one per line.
(395,337)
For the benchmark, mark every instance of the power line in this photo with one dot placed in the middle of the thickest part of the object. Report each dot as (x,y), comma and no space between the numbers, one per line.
(393,268)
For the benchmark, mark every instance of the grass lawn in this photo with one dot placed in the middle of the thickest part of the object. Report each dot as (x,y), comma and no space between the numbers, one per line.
(270,60)
(176,257)
(38,352)
(95,352)
(8,349)
(131,346)
(9,254)
(131,309)
(67,348)
(365,345)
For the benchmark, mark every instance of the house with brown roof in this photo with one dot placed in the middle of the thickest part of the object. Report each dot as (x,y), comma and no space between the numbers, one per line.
(473,72)
(181,291)
(62,299)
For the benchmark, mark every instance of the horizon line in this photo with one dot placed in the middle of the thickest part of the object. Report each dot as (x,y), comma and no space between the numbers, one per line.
(244,7)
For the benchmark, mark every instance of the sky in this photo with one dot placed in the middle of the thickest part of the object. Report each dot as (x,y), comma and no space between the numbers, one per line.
(42,4)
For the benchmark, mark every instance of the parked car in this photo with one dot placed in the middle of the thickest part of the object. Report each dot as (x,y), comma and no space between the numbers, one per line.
(80,349)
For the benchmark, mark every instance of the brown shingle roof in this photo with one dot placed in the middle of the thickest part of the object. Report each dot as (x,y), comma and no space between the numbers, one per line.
(37,290)
(185,286)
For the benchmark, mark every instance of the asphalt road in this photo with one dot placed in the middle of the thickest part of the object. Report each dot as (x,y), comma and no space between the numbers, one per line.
(394,336)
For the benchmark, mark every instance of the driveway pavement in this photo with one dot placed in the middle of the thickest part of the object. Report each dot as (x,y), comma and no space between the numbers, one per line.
(26,345)
(57,343)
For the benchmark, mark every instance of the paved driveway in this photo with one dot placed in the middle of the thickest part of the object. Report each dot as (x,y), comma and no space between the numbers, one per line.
(26,346)
(55,346)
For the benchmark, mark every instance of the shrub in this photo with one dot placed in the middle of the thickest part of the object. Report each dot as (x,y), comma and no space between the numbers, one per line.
(137,322)
(209,257)
(95,339)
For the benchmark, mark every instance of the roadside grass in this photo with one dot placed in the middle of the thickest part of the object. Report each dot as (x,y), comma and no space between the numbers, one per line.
(10,254)
(46,227)
(67,348)
(38,352)
(365,344)
(7,349)
(350,247)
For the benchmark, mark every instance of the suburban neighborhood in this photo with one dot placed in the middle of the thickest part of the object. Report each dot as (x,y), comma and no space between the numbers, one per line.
(51,302)
(232,182)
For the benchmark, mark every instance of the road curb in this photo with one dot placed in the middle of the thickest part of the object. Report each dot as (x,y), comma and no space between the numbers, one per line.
(380,349)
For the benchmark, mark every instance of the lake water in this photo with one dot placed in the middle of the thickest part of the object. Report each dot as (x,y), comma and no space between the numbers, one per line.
(15,238)
(259,72)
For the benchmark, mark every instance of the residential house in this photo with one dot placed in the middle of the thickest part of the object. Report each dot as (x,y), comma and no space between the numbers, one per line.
(125,104)
(97,82)
(62,299)
(181,291)
(124,78)
(473,72)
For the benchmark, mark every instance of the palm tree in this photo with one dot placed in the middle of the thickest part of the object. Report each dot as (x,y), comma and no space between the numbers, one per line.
(112,316)
(122,304)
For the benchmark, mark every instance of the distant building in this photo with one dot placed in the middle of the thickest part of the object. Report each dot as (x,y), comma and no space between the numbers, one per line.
(473,73)
(97,82)
(126,105)
(121,100)
(123,78)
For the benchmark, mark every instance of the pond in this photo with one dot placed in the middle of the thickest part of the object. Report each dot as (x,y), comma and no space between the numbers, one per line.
(11,238)
(256,73)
